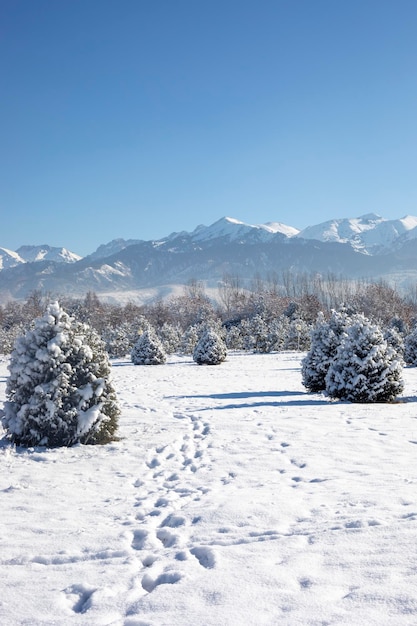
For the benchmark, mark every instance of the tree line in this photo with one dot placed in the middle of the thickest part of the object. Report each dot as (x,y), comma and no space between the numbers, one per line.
(276,313)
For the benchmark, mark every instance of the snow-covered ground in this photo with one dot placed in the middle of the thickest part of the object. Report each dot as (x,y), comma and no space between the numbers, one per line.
(233,498)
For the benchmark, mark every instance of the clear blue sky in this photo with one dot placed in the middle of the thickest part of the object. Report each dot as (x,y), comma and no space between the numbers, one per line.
(135,118)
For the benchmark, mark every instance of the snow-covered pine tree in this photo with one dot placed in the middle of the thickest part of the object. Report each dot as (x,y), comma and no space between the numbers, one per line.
(396,340)
(170,337)
(190,339)
(298,335)
(210,349)
(120,339)
(234,337)
(259,332)
(365,367)
(325,337)
(410,348)
(148,349)
(59,392)
(278,332)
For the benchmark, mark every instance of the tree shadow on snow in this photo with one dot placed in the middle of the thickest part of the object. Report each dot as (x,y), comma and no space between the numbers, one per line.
(306,400)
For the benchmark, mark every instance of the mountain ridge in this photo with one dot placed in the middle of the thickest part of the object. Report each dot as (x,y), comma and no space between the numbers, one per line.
(368,247)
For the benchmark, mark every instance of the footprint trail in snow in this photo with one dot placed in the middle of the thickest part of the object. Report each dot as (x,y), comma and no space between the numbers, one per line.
(161,540)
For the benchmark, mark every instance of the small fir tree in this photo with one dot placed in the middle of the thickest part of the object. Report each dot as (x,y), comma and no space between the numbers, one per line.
(278,333)
(190,339)
(234,338)
(325,338)
(148,349)
(396,340)
(120,339)
(260,333)
(365,367)
(298,335)
(210,349)
(410,348)
(59,391)
(170,337)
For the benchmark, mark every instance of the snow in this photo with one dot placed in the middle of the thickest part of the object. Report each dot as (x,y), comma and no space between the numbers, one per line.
(44,252)
(9,258)
(235,230)
(371,233)
(232,498)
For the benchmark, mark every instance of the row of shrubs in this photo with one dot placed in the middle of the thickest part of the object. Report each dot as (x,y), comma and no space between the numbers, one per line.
(59,391)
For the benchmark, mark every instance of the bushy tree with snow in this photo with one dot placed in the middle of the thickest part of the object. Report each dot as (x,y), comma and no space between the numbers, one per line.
(59,391)
(148,349)
(278,333)
(298,335)
(210,349)
(325,338)
(190,338)
(120,339)
(260,334)
(396,340)
(410,348)
(170,336)
(234,340)
(365,368)
(8,337)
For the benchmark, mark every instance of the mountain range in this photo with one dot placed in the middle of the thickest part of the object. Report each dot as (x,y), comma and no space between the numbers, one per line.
(368,247)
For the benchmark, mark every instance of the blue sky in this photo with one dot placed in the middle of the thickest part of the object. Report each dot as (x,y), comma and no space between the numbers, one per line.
(135,118)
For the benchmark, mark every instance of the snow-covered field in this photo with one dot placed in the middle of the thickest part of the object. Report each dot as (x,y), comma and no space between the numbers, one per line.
(233,498)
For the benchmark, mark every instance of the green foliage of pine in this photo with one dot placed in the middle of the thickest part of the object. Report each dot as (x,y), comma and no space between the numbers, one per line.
(148,349)
(365,368)
(59,391)
(210,349)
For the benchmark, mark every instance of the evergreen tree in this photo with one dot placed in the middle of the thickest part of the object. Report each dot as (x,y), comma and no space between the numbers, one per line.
(210,349)
(119,339)
(170,337)
(260,334)
(325,338)
(59,392)
(148,349)
(190,339)
(396,340)
(365,367)
(410,348)
(234,337)
(278,333)
(298,335)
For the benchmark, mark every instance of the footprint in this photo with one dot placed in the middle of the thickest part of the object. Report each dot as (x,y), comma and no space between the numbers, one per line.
(204,556)
(173,521)
(169,578)
(354,524)
(162,502)
(153,463)
(139,538)
(81,596)
(149,560)
(166,538)
(298,464)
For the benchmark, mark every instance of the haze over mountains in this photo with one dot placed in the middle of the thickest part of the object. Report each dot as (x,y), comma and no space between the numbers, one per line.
(364,247)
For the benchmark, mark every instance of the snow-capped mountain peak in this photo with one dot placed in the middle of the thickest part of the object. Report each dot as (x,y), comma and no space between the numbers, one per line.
(234,230)
(29,254)
(9,258)
(369,233)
